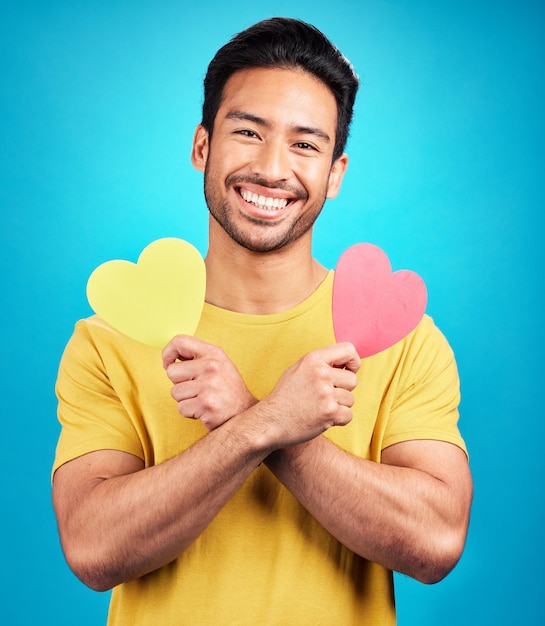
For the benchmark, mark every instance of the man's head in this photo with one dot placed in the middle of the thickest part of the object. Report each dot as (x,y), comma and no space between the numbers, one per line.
(284,43)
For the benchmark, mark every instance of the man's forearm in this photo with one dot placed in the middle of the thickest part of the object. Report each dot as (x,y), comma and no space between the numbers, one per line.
(120,527)
(401,517)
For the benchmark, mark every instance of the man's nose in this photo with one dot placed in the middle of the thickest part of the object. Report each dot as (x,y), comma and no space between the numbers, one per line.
(273,161)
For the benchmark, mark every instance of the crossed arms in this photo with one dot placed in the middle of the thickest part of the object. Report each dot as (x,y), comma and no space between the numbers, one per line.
(409,513)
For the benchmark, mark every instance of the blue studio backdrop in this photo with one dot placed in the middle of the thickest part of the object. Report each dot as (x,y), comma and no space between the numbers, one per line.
(98,105)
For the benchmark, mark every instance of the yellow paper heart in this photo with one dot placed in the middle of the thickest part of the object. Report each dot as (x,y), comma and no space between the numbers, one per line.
(153,300)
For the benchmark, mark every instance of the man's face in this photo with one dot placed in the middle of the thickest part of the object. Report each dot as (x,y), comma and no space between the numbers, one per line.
(268,165)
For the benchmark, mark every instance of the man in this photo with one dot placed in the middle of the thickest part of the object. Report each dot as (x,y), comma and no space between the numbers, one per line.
(260,472)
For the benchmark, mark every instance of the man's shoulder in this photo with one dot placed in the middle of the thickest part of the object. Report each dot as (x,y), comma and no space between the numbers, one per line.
(95,333)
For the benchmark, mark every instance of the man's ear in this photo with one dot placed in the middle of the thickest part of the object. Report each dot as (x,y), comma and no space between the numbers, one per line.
(199,151)
(336,176)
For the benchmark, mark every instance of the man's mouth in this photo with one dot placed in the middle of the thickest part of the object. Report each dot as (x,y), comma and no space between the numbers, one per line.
(264,202)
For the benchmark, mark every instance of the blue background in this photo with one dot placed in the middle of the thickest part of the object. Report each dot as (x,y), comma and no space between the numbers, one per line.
(97,109)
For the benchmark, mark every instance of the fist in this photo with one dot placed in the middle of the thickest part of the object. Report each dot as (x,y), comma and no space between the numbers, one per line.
(206,384)
(313,395)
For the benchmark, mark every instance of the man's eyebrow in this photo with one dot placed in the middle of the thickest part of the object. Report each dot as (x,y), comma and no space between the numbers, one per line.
(238,114)
(248,117)
(312,130)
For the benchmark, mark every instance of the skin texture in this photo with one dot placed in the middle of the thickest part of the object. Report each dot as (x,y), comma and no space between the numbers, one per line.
(273,136)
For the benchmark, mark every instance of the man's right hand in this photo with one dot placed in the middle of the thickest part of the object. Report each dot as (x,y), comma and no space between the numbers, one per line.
(206,384)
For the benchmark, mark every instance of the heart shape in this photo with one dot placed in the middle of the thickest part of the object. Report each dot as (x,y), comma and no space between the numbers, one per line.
(374,308)
(153,300)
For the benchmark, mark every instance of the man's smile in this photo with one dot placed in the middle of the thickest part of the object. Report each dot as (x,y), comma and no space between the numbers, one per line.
(264,202)
(268,201)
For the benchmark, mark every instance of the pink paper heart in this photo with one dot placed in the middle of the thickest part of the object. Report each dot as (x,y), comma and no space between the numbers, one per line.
(374,308)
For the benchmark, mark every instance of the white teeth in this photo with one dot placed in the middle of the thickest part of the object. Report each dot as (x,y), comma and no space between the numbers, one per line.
(264,202)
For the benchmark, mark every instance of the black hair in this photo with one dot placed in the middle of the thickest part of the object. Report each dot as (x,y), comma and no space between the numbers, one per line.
(285,43)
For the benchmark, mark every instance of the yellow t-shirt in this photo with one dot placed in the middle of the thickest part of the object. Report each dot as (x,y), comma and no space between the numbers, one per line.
(264,559)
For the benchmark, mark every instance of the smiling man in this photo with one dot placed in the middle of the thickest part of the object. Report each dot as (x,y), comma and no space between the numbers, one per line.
(268,168)
(260,472)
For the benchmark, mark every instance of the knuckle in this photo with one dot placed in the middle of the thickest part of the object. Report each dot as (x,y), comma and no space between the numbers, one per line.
(178,340)
(212,366)
(208,403)
(216,366)
(322,374)
(216,351)
(332,406)
(310,358)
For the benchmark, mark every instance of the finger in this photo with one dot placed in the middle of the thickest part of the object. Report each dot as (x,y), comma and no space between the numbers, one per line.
(185,391)
(180,371)
(344,415)
(175,349)
(188,408)
(342,355)
(349,357)
(344,378)
(192,409)
(185,347)
(344,398)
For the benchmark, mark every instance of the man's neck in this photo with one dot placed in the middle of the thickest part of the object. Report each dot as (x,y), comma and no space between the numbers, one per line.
(260,283)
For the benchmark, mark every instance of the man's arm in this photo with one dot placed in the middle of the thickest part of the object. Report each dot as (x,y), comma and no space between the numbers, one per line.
(119,521)
(409,513)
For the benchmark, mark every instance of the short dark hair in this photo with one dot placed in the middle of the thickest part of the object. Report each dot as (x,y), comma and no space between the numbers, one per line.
(286,43)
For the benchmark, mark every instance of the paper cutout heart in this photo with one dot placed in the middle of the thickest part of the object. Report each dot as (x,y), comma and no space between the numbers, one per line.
(374,308)
(160,296)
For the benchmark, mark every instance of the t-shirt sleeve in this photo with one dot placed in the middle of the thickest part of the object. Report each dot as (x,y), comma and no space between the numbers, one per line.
(426,404)
(91,414)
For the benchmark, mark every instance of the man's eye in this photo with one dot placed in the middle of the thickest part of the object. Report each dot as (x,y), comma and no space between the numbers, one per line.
(303,145)
(246,133)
